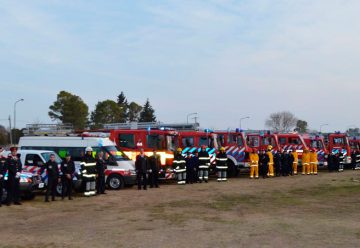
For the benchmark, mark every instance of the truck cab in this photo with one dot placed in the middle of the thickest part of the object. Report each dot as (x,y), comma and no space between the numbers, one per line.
(339,142)
(318,143)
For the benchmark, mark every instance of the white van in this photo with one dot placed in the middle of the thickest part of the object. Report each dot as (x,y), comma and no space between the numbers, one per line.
(120,169)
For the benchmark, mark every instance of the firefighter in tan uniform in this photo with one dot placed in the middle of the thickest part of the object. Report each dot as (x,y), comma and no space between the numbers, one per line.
(271,161)
(254,164)
(296,161)
(306,162)
(313,162)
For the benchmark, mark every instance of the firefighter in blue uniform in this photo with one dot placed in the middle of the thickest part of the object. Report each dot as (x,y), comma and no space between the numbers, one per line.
(88,171)
(14,167)
(179,166)
(52,169)
(221,165)
(2,176)
(67,169)
(204,165)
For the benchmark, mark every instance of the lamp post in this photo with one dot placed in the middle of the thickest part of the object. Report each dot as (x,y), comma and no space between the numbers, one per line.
(187,117)
(243,118)
(322,125)
(20,100)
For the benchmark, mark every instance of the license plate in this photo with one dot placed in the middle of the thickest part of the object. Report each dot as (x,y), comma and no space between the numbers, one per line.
(41,185)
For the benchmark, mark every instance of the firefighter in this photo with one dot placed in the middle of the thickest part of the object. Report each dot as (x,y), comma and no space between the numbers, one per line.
(331,162)
(142,168)
(221,165)
(336,162)
(155,166)
(277,163)
(254,164)
(67,169)
(179,166)
(191,168)
(88,171)
(306,162)
(2,175)
(14,167)
(271,161)
(204,165)
(357,163)
(286,163)
(52,169)
(264,161)
(296,161)
(313,162)
(341,160)
(100,169)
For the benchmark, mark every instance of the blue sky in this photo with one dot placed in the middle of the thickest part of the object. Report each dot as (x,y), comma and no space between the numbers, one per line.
(221,58)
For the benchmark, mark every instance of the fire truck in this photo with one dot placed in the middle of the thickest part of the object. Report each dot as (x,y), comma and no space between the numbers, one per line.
(317,142)
(262,140)
(354,144)
(339,142)
(130,141)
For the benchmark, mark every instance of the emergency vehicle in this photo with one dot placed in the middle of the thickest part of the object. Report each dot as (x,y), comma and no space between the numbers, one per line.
(339,142)
(318,143)
(262,140)
(130,141)
(354,144)
(236,149)
(120,169)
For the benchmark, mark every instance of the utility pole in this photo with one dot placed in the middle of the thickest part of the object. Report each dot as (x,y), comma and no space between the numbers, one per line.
(11,140)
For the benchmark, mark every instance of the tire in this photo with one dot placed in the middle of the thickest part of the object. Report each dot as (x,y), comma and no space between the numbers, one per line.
(59,187)
(232,170)
(115,182)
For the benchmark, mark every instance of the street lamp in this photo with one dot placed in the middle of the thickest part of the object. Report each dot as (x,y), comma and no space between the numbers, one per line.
(20,100)
(243,118)
(322,125)
(187,117)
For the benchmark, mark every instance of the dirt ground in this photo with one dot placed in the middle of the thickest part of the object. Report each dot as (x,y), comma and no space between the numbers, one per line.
(299,211)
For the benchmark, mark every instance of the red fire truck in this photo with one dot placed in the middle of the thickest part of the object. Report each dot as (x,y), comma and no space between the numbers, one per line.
(317,142)
(339,142)
(262,140)
(354,144)
(164,141)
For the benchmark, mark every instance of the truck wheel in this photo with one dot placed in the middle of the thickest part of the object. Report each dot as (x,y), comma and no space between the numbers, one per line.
(232,170)
(115,182)
(59,187)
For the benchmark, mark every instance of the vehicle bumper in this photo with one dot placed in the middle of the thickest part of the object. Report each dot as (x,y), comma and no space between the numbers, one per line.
(130,180)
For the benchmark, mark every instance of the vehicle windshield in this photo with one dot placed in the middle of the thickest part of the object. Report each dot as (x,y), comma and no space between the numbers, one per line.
(113,152)
(155,141)
(203,141)
(339,140)
(240,141)
(317,144)
(46,156)
(171,142)
(253,141)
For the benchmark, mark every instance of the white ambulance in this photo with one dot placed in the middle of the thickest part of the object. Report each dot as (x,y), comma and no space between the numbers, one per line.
(120,169)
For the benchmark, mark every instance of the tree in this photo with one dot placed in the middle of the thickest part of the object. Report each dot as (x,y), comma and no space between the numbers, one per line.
(148,113)
(301,126)
(106,111)
(4,140)
(123,104)
(281,121)
(134,111)
(69,109)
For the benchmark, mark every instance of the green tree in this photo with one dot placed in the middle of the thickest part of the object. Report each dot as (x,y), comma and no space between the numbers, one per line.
(123,104)
(134,111)
(70,109)
(106,111)
(4,136)
(148,113)
(301,126)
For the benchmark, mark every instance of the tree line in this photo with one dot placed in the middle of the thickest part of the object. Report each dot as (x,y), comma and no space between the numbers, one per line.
(71,109)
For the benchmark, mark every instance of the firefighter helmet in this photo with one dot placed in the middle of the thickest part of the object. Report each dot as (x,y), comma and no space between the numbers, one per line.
(222,149)
(14,148)
(179,149)
(88,149)
(269,147)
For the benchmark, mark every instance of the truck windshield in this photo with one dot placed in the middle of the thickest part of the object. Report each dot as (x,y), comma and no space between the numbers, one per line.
(317,144)
(171,143)
(155,141)
(240,141)
(114,153)
(46,156)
